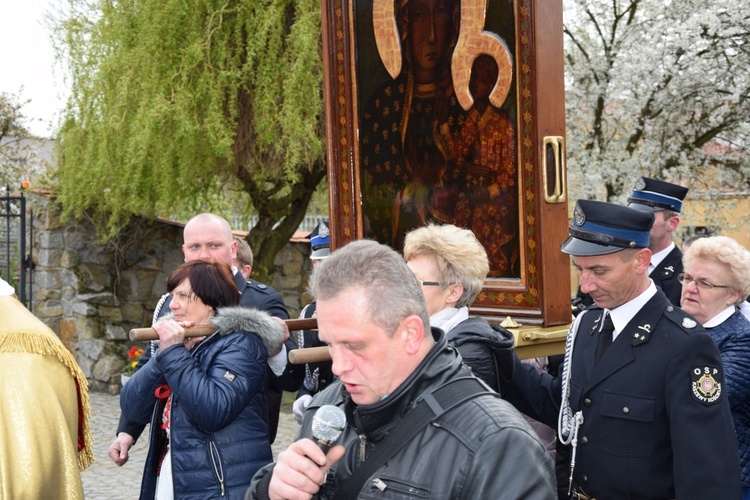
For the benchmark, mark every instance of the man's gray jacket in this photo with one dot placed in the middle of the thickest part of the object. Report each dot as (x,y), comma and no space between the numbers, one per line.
(482,448)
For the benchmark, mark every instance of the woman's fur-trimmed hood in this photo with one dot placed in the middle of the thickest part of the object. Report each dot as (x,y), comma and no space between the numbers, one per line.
(250,320)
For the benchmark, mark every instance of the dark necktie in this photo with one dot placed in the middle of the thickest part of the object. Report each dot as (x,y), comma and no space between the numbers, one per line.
(605,337)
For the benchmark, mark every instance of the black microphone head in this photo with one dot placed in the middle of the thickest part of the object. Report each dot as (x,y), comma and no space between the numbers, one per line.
(327,425)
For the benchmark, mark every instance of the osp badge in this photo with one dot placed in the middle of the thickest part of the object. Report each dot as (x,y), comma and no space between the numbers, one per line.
(706,388)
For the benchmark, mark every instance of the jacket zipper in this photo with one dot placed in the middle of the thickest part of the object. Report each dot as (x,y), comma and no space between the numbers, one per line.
(213,452)
(399,487)
(362,447)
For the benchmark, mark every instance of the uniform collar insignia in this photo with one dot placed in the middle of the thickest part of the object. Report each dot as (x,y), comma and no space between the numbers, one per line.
(642,334)
(595,326)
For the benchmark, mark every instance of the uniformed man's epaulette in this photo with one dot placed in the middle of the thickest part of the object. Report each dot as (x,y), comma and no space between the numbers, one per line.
(260,286)
(682,319)
(591,307)
(578,308)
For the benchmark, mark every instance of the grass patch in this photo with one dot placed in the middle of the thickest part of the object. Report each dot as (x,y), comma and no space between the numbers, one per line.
(287,400)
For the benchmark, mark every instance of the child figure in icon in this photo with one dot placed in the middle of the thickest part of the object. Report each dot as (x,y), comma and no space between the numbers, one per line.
(484,173)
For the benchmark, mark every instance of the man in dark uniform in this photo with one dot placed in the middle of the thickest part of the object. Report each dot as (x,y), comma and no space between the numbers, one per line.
(665,200)
(641,398)
(209,237)
(244,260)
(317,375)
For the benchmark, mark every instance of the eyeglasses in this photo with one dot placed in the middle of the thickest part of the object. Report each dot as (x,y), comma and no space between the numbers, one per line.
(434,283)
(686,279)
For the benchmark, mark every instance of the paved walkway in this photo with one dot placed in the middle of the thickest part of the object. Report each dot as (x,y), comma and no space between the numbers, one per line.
(103,480)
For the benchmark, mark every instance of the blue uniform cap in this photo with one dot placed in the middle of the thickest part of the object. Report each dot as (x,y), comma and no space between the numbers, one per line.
(320,241)
(655,195)
(600,228)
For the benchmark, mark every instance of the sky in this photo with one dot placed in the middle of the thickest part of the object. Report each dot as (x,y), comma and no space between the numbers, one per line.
(28,61)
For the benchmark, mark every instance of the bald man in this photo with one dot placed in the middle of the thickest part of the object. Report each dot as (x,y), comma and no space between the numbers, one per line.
(209,237)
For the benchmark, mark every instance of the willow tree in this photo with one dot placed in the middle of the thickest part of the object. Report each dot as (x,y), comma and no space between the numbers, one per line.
(657,88)
(173,101)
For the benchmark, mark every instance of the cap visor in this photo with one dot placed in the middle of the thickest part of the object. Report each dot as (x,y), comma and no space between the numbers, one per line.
(574,246)
(644,208)
(320,253)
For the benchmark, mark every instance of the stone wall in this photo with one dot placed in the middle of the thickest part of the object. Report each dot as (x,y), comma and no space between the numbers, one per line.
(92,294)
(293,268)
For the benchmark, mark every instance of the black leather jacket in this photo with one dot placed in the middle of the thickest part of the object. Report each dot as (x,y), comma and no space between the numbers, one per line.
(486,349)
(482,448)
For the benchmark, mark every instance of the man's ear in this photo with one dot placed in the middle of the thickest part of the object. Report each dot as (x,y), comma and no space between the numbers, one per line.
(672,223)
(643,259)
(412,331)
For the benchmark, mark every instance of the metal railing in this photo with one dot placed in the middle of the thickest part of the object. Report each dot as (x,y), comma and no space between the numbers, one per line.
(18,263)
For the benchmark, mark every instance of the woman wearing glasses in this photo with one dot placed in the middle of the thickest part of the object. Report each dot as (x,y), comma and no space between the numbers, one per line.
(715,282)
(451,265)
(204,397)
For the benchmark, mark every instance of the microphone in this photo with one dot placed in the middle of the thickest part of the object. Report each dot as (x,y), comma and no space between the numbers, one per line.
(327,425)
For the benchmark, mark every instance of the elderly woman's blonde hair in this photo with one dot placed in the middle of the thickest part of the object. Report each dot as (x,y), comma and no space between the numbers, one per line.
(459,255)
(726,252)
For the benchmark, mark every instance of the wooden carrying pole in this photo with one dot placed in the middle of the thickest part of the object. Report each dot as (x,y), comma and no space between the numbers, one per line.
(530,342)
(201,330)
(309,355)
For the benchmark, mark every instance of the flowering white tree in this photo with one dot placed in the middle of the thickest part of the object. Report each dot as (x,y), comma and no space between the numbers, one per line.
(659,88)
(20,158)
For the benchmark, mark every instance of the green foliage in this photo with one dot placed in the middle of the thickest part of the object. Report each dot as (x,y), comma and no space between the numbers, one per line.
(172,102)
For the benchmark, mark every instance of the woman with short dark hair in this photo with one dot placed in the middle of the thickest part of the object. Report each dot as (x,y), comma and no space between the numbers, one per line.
(204,396)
